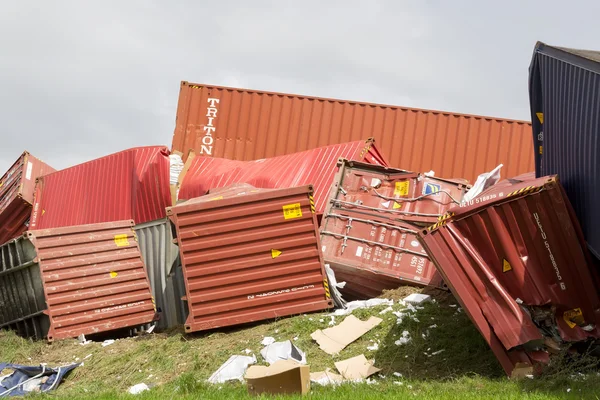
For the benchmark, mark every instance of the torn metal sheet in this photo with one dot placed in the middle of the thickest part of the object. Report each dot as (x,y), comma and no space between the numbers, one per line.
(356,368)
(333,340)
(250,254)
(516,260)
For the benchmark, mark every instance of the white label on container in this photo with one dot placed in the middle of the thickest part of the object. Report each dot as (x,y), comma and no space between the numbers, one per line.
(29,168)
(414,243)
(359,251)
(323,248)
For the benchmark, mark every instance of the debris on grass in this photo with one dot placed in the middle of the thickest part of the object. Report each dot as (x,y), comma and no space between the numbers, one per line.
(359,304)
(325,378)
(373,347)
(356,368)
(333,340)
(108,342)
(267,340)
(285,376)
(233,369)
(139,388)
(283,351)
(405,339)
(386,310)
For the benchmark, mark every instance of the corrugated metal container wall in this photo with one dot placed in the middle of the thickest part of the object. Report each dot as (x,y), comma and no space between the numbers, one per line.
(161,257)
(249,255)
(94,278)
(315,167)
(131,184)
(516,260)
(242,124)
(22,301)
(16,195)
(564,90)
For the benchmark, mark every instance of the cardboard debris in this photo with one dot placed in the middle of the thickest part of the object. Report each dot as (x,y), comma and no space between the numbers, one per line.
(233,369)
(333,340)
(356,368)
(283,351)
(417,298)
(283,377)
(326,377)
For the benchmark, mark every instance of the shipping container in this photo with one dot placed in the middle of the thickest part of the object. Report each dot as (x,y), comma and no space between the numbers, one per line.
(370,224)
(564,87)
(16,195)
(313,167)
(62,282)
(161,258)
(515,259)
(241,124)
(131,184)
(250,254)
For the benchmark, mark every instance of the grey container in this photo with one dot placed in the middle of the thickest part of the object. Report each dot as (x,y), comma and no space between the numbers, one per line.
(163,267)
(22,300)
(564,93)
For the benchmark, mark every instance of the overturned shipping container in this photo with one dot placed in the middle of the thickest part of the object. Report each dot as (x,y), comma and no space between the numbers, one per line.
(241,124)
(161,258)
(314,167)
(249,255)
(60,283)
(16,195)
(563,91)
(515,259)
(131,184)
(370,224)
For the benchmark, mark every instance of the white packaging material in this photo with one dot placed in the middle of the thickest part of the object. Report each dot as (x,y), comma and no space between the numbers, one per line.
(283,351)
(483,182)
(176,166)
(417,298)
(355,305)
(233,369)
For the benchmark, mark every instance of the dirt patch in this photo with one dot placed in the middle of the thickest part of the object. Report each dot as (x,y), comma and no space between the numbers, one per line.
(400,293)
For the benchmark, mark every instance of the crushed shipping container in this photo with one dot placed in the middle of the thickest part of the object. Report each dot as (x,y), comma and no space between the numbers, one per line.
(161,258)
(366,231)
(515,259)
(63,282)
(131,184)
(241,124)
(563,91)
(249,255)
(16,195)
(313,167)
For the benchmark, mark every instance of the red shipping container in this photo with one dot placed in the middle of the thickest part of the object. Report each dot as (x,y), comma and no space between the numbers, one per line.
(250,254)
(516,260)
(131,184)
(242,124)
(16,195)
(314,167)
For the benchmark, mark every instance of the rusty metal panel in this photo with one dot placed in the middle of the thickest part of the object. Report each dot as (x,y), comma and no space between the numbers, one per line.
(516,260)
(17,187)
(93,278)
(249,255)
(313,167)
(161,258)
(22,301)
(242,124)
(131,184)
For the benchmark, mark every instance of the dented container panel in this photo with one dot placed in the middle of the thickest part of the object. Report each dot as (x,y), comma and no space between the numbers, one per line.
(250,254)
(131,184)
(242,124)
(516,260)
(93,278)
(17,187)
(314,167)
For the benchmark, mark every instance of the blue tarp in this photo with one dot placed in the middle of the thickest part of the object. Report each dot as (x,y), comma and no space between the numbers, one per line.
(26,379)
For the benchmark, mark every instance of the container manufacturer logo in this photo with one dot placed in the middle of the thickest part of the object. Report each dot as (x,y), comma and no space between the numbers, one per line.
(209,129)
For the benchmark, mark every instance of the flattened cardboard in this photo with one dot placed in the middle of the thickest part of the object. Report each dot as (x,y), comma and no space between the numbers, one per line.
(326,378)
(356,368)
(283,377)
(333,340)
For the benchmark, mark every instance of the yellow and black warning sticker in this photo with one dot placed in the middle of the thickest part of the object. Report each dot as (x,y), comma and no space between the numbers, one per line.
(397,205)
(541,149)
(506,266)
(312,204)
(524,191)
(326,286)
(540,116)
(275,253)
(113,274)
(121,240)
(402,188)
(574,317)
(154,303)
(291,211)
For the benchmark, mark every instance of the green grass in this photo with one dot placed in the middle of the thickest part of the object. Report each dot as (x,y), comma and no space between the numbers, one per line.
(178,365)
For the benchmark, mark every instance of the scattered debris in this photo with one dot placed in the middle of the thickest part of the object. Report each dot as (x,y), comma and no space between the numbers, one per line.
(283,351)
(233,369)
(19,380)
(404,339)
(326,377)
(358,304)
(151,329)
(247,351)
(373,347)
(435,353)
(386,310)
(333,340)
(356,368)
(432,326)
(417,298)
(397,374)
(108,342)
(334,285)
(283,377)
(267,340)
(332,322)
(139,388)
(82,340)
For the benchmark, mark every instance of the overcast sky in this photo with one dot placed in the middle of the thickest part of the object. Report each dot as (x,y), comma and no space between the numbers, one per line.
(80,79)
